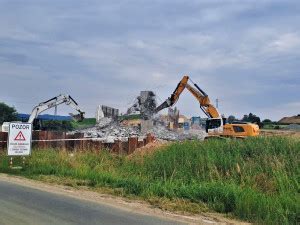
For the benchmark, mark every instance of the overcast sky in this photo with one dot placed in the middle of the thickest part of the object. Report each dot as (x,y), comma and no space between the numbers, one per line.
(246,53)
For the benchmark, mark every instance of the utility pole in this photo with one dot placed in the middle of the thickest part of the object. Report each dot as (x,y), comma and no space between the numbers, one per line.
(217,103)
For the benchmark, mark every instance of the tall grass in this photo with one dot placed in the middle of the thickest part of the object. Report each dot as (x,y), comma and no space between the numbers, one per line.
(256,179)
(85,123)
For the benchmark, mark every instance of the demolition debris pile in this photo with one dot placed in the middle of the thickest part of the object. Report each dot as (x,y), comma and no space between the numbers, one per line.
(110,129)
(162,132)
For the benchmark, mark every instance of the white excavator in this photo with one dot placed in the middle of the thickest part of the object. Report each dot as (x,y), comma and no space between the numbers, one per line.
(51,103)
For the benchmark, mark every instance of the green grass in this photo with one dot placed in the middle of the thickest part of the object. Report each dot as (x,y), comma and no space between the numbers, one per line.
(87,122)
(256,180)
(129,117)
(274,126)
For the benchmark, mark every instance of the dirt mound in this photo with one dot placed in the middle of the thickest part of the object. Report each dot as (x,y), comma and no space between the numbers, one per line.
(290,120)
(150,148)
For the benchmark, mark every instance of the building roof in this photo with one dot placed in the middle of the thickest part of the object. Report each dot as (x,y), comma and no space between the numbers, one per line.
(25,117)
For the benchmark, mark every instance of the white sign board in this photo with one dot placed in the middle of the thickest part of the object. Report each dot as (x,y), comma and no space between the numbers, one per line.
(19,139)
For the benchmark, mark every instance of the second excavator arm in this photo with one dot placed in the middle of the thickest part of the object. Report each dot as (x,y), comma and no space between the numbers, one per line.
(197,92)
(58,100)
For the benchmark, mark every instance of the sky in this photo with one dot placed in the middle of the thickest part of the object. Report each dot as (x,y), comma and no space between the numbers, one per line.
(246,53)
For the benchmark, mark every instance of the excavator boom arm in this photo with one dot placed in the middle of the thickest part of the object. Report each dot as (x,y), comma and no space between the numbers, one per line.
(197,92)
(58,100)
(204,102)
(175,95)
(179,89)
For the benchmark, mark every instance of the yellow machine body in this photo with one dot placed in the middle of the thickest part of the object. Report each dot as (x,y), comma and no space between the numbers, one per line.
(215,125)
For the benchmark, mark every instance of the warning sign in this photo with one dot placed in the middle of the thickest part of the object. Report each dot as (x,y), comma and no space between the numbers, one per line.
(19,139)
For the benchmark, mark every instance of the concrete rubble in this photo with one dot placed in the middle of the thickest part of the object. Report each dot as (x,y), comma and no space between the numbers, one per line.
(162,132)
(111,129)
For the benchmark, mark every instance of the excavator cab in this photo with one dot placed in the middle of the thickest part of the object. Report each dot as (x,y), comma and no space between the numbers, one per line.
(215,125)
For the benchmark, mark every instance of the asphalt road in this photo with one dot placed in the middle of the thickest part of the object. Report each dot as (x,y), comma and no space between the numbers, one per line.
(22,205)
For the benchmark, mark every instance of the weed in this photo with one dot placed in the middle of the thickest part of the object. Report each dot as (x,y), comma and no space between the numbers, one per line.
(256,179)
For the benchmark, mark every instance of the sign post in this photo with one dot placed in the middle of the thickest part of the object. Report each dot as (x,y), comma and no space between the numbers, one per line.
(19,140)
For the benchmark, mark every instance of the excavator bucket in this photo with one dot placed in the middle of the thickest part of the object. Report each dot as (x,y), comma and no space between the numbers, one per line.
(78,117)
(164,105)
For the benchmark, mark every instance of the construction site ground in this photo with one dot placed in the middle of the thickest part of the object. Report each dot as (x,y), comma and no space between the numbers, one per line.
(283,133)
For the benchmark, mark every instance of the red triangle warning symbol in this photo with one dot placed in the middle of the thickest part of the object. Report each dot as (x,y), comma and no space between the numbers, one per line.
(20,137)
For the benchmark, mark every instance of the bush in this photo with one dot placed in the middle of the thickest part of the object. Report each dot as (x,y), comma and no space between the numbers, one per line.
(7,113)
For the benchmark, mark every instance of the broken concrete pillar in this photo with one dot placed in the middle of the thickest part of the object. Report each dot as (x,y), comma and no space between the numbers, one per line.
(146,125)
(99,114)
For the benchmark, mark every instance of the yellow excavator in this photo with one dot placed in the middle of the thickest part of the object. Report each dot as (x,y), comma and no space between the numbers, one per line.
(216,126)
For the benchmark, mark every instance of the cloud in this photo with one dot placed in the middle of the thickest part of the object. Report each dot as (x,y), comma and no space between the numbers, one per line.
(17,34)
(245,53)
(286,42)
